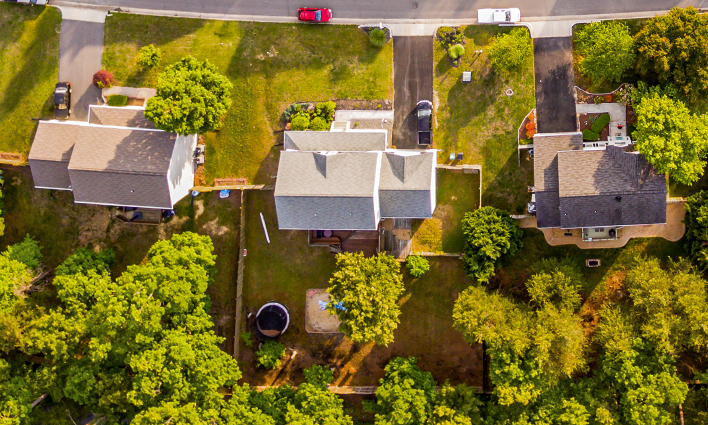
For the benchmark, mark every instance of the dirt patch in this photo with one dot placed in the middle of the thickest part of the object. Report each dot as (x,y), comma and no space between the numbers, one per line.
(367,105)
(318,320)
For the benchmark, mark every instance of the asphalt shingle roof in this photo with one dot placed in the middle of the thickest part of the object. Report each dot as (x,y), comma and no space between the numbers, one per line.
(50,153)
(341,141)
(119,116)
(405,184)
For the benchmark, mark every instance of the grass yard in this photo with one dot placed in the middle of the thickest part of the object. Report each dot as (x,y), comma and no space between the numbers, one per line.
(270,66)
(477,118)
(457,193)
(61,227)
(284,269)
(29,65)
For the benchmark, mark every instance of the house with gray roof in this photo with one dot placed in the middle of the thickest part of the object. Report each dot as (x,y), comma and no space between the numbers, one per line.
(591,185)
(117,158)
(330,180)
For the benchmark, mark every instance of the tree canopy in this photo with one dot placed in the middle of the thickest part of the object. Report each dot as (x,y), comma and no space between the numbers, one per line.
(490,234)
(696,220)
(606,49)
(191,98)
(511,50)
(671,138)
(673,49)
(364,295)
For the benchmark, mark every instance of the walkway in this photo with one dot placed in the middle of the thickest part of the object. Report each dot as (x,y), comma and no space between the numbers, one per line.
(412,81)
(553,68)
(673,230)
(80,56)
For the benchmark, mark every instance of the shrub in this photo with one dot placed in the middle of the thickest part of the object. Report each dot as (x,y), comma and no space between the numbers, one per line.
(102,79)
(149,56)
(590,135)
(26,252)
(509,51)
(246,338)
(600,123)
(318,124)
(291,110)
(318,375)
(326,109)
(269,354)
(417,265)
(378,37)
(300,122)
(117,100)
(456,51)
(450,36)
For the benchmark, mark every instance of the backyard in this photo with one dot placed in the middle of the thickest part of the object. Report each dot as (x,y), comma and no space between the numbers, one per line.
(283,271)
(480,120)
(61,227)
(270,66)
(29,63)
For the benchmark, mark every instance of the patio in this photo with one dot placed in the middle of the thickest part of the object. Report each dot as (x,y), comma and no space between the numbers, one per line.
(364,241)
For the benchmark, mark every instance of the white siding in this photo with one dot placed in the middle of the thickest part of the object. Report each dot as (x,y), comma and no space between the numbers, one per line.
(180,176)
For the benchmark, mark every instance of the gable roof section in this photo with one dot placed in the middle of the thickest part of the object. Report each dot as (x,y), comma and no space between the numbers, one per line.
(407,184)
(545,161)
(335,141)
(50,154)
(119,116)
(327,191)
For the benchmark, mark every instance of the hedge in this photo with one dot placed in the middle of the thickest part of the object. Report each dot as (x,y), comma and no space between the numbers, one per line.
(117,100)
(600,123)
(590,135)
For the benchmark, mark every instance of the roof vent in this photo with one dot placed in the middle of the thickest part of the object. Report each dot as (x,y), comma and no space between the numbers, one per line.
(618,198)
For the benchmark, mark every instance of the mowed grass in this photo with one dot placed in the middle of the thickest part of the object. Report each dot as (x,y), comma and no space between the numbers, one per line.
(29,64)
(270,66)
(457,193)
(480,120)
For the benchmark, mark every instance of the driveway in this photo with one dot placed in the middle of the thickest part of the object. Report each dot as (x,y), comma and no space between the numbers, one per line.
(80,53)
(553,67)
(412,81)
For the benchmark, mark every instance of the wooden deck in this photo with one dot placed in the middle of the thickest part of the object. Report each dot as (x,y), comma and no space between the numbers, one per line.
(364,241)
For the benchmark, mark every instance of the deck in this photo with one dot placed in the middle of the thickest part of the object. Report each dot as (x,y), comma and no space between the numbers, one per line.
(364,241)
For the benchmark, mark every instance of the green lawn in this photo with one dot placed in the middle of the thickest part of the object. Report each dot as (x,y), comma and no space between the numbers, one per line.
(457,193)
(29,63)
(477,118)
(270,66)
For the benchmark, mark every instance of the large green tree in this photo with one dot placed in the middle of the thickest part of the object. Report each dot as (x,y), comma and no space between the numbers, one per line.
(606,50)
(671,138)
(191,98)
(511,50)
(364,295)
(696,220)
(673,49)
(490,234)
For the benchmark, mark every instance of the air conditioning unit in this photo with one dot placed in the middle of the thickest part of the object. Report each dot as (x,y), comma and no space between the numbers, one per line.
(200,160)
(199,150)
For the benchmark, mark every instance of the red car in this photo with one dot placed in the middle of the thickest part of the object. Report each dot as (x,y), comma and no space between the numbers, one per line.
(314,14)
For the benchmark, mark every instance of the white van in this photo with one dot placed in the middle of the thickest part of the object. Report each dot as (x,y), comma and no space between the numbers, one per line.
(33,2)
(498,16)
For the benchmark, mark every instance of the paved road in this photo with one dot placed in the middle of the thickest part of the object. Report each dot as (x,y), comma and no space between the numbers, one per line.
(80,53)
(553,69)
(402,9)
(412,81)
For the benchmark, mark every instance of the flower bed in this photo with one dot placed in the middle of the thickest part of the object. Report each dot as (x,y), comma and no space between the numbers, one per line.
(309,116)
(527,128)
(620,95)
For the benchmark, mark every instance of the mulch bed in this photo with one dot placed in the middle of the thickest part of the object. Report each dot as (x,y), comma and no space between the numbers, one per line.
(585,123)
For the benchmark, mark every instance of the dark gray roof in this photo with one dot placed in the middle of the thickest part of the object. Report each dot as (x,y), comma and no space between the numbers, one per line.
(545,161)
(326,212)
(405,203)
(341,141)
(547,209)
(50,174)
(50,153)
(607,210)
(407,184)
(122,189)
(119,116)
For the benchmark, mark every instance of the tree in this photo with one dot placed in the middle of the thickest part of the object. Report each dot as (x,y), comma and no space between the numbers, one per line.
(269,354)
(26,252)
(671,138)
(141,342)
(364,294)
(149,56)
(555,283)
(102,79)
(16,396)
(606,49)
(511,50)
(417,265)
(673,49)
(191,98)
(696,220)
(489,235)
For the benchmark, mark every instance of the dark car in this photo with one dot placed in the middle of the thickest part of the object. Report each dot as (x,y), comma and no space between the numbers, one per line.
(425,118)
(62,101)
(314,14)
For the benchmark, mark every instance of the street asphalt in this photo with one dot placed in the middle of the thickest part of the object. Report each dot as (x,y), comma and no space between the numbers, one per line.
(80,53)
(401,9)
(553,69)
(412,81)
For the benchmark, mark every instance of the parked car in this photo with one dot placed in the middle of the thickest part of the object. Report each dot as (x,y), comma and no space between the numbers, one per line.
(62,101)
(314,14)
(425,117)
(498,16)
(33,2)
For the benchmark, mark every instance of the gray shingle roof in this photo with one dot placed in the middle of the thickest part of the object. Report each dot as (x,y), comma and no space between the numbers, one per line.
(607,210)
(50,153)
(119,188)
(326,212)
(547,209)
(545,161)
(119,116)
(341,141)
(405,184)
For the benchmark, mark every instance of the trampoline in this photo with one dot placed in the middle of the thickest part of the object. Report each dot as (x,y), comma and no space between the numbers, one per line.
(271,321)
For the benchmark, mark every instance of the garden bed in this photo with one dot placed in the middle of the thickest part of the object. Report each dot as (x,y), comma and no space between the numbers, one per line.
(527,128)
(586,121)
(619,95)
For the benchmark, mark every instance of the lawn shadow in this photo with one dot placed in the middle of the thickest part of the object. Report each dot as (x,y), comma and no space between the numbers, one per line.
(506,187)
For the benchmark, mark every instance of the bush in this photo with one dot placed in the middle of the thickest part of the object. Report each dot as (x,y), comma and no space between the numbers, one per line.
(600,123)
(102,79)
(149,56)
(456,51)
(26,252)
(269,354)
(246,338)
(319,124)
(326,109)
(319,376)
(417,265)
(378,37)
(450,36)
(590,135)
(117,100)
(509,51)
(300,122)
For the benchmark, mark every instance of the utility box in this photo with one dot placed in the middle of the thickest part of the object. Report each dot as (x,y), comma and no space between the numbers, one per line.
(466,76)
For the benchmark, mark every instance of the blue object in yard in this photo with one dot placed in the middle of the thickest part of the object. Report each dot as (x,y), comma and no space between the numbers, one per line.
(224,193)
(195,193)
(340,306)
(452,157)
(322,304)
